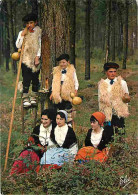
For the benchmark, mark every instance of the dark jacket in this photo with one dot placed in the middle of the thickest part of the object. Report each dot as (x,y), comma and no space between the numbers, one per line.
(106,138)
(36,145)
(69,141)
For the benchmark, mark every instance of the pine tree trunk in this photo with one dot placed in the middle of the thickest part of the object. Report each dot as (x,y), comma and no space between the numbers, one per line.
(120,35)
(1,45)
(125,35)
(92,27)
(132,32)
(135,37)
(34,5)
(11,33)
(72,23)
(136,29)
(55,35)
(113,29)
(108,23)
(7,49)
(87,40)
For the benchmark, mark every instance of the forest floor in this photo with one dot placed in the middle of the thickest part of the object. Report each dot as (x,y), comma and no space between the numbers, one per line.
(88,91)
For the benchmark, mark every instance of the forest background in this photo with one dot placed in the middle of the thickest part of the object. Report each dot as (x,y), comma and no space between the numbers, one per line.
(92,32)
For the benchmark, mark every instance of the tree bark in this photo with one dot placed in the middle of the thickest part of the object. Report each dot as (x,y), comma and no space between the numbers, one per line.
(120,33)
(7,48)
(87,40)
(1,44)
(125,35)
(114,6)
(34,5)
(108,23)
(72,23)
(11,33)
(135,37)
(3,18)
(55,35)
(92,26)
(132,31)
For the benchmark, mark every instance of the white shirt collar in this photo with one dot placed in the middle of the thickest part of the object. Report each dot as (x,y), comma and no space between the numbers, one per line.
(108,80)
(63,69)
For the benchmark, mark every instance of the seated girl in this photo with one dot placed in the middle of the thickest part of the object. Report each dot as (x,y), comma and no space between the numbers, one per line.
(30,157)
(96,140)
(65,142)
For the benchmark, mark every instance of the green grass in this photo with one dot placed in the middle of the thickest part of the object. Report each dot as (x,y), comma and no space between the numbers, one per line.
(7,85)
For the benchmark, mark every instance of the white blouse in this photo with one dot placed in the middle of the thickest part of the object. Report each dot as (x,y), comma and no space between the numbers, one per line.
(96,137)
(60,134)
(44,135)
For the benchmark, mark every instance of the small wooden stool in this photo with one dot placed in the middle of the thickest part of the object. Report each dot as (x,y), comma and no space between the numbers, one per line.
(43,98)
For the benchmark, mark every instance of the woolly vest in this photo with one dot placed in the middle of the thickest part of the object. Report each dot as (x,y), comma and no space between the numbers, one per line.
(31,48)
(110,102)
(63,91)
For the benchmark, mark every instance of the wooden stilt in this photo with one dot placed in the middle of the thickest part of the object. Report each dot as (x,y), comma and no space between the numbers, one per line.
(43,96)
(35,116)
(42,106)
(33,113)
(73,117)
(73,125)
(22,114)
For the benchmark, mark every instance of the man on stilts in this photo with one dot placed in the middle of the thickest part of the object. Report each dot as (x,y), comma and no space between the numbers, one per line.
(31,58)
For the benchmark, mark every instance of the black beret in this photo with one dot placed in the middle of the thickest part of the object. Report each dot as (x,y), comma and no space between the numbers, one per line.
(30,17)
(63,57)
(109,65)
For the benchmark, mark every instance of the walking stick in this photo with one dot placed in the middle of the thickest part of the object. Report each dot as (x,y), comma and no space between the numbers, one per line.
(13,107)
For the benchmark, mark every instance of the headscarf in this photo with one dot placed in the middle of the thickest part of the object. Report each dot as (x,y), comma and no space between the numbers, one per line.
(65,113)
(100,117)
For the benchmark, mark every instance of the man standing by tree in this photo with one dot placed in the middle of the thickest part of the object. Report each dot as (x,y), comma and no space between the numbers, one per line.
(113,96)
(31,55)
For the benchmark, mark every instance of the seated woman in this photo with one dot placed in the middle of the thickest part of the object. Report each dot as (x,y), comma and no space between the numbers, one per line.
(30,157)
(65,142)
(96,140)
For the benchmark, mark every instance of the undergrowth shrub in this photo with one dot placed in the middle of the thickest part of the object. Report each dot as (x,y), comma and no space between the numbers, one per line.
(97,53)
(118,175)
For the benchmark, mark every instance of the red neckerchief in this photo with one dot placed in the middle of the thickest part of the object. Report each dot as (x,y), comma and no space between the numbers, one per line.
(31,30)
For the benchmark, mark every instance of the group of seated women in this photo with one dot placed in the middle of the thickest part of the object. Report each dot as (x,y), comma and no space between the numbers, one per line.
(53,143)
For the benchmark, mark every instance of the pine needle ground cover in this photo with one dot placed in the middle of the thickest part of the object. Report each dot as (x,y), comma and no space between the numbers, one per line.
(117,176)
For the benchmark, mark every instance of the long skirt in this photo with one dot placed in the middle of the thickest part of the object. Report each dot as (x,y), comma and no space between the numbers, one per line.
(57,156)
(91,153)
(27,160)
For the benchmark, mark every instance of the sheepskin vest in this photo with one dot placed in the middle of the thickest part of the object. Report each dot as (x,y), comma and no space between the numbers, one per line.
(31,48)
(111,102)
(63,91)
